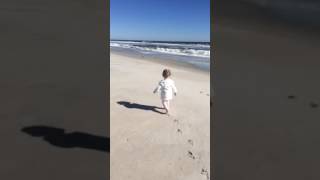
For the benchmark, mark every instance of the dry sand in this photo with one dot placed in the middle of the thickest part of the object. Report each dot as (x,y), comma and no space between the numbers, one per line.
(146,144)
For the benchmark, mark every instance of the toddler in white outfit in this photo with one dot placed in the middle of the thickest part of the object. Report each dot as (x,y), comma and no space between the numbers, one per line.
(167,89)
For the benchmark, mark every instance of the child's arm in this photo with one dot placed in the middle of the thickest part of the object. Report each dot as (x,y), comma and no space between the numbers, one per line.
(157,88)
(174,88)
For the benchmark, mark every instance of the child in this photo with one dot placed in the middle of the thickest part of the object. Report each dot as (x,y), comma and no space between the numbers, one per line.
(167,89)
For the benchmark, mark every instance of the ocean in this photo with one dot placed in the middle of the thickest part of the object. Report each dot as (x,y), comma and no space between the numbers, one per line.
(194,53)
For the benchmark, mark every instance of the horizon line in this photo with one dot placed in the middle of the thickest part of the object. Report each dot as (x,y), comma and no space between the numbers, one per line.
(156,40)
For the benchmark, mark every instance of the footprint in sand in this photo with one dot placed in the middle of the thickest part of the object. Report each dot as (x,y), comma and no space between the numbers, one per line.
(190,142)
(201,92)
(313,105)
(205,172)
(190,154)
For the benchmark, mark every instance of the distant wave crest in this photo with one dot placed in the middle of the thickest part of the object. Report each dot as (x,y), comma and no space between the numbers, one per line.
(196,49)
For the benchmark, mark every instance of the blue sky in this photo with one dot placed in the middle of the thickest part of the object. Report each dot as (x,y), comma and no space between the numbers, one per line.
(163,20)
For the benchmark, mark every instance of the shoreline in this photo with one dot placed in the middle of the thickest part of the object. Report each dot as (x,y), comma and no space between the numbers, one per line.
(162,61)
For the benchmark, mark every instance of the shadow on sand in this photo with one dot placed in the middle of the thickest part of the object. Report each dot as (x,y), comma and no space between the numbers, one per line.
(140,106)
(58,137)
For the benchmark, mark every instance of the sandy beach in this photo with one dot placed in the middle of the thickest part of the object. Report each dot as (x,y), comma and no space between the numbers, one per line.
(146,144)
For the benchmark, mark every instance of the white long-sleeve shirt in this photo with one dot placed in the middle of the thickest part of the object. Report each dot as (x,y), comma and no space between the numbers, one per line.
(167,88)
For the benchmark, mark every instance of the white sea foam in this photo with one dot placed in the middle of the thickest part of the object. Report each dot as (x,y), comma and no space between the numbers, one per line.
(174,48)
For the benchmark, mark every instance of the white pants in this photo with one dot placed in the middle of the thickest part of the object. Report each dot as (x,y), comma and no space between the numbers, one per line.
(166,104)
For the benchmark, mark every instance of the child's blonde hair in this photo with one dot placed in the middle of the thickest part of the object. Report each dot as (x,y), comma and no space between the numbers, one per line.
(166,73)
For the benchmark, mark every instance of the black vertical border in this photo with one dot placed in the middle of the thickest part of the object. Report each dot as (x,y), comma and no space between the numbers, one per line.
(212,93)
(107,47)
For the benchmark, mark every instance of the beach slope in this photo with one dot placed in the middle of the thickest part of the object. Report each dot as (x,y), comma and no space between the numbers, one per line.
(146,144)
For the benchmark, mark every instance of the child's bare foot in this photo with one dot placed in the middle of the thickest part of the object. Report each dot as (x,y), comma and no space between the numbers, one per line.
(167,112)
